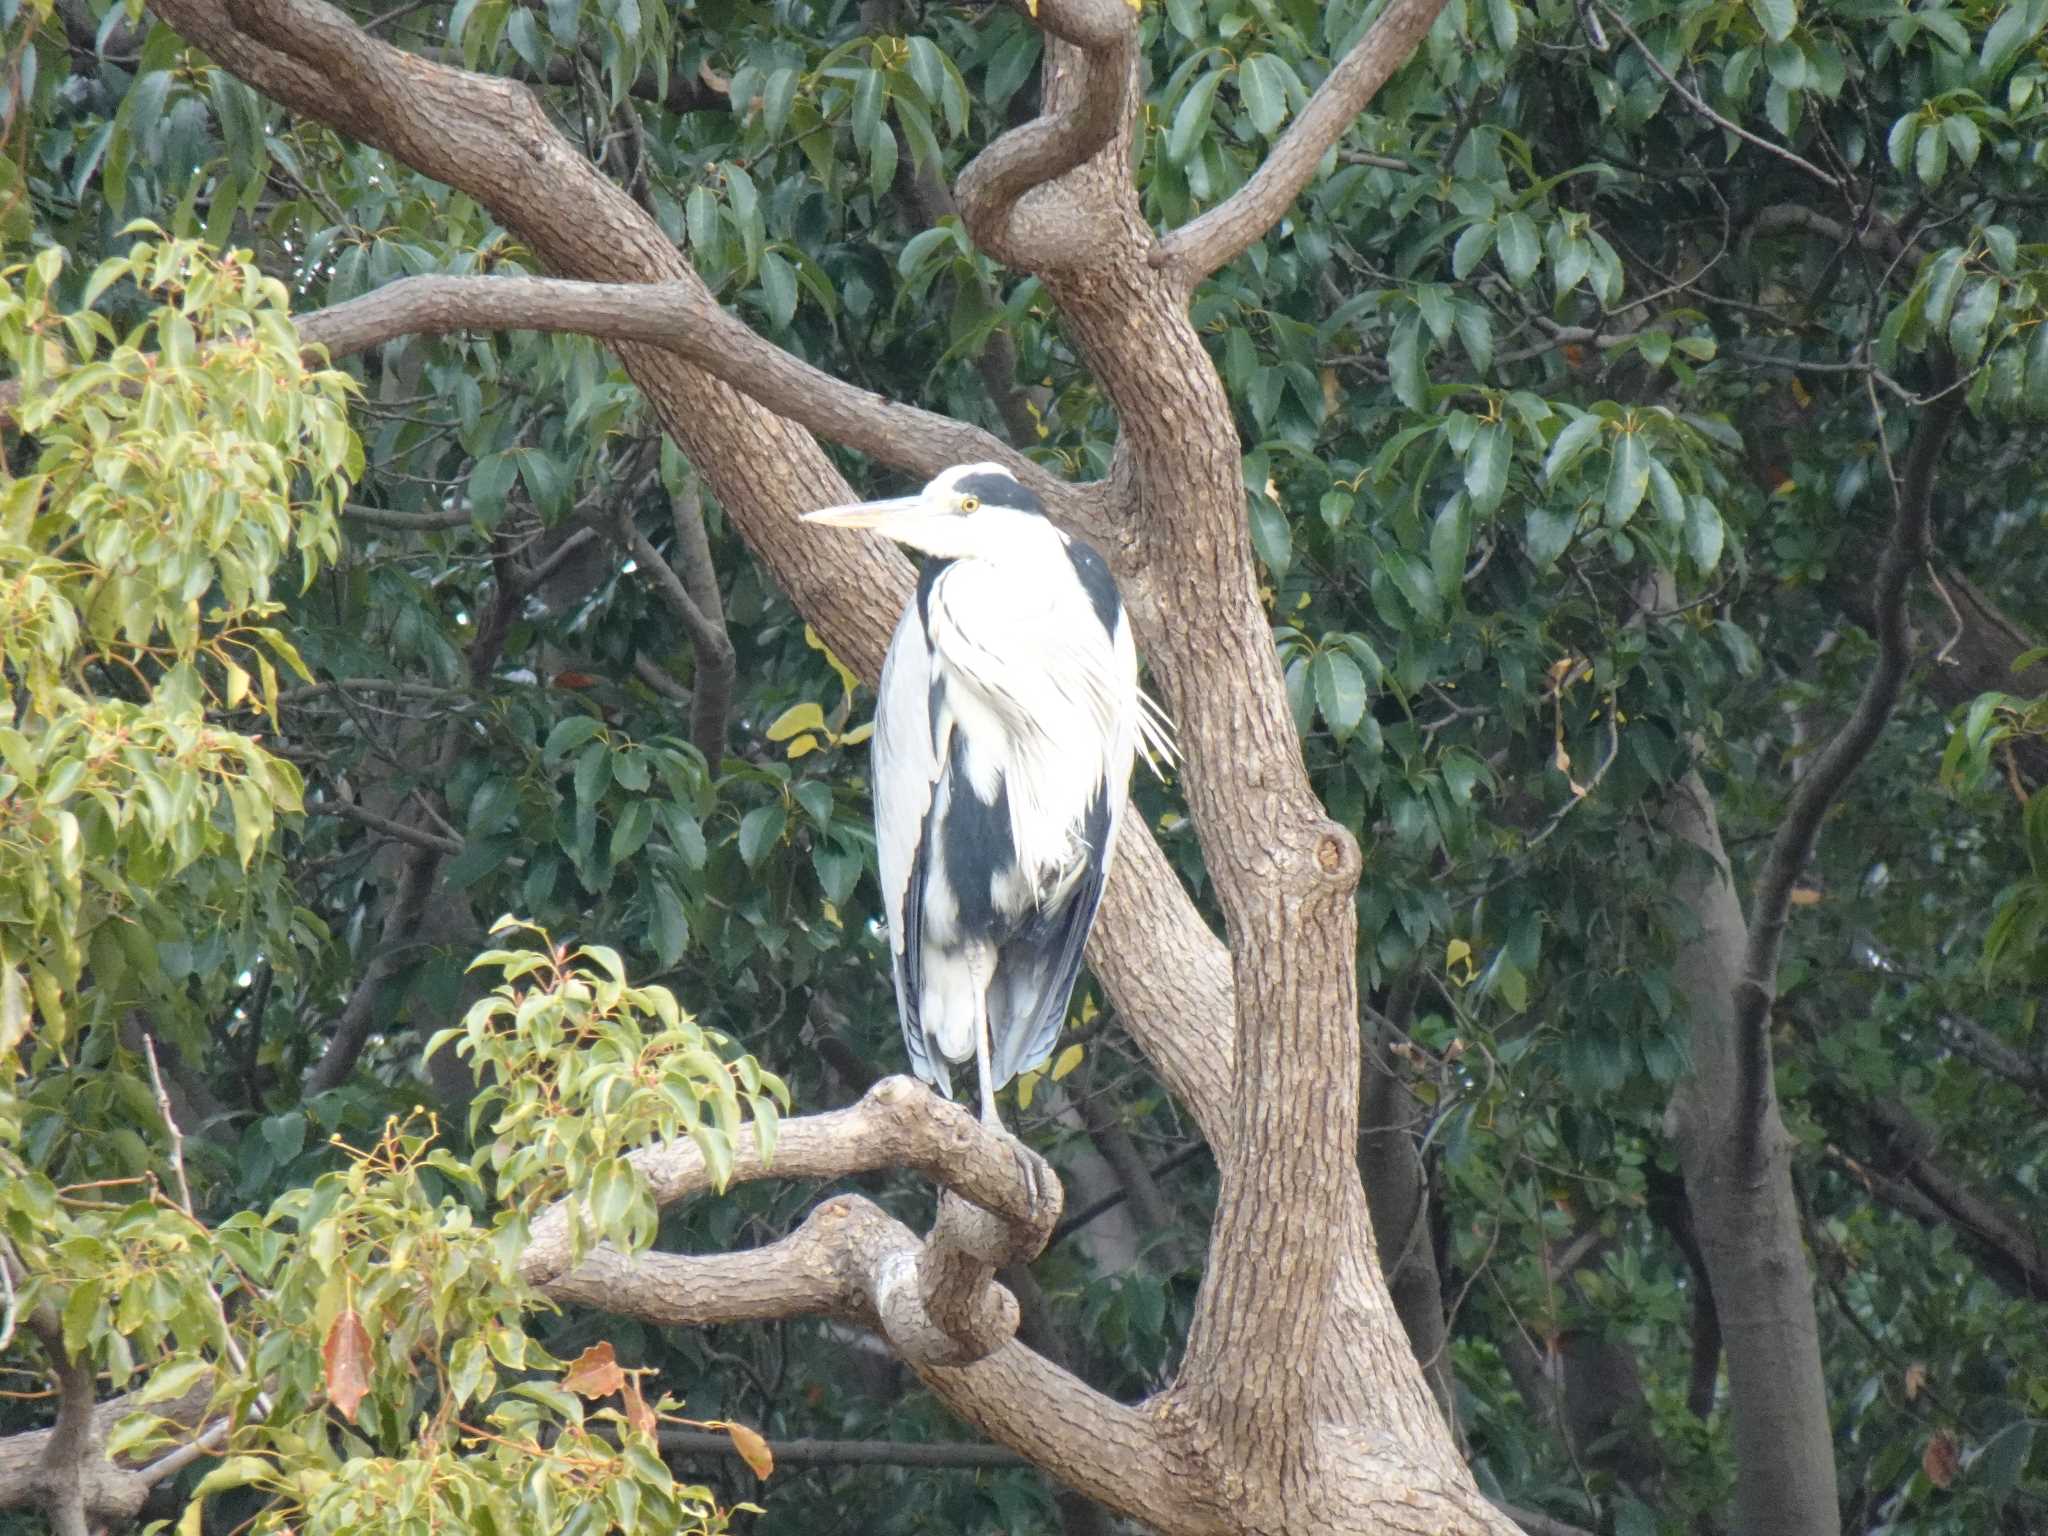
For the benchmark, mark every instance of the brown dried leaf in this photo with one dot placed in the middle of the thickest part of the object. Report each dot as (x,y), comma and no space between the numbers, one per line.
(595,1373)
(1805,896)
(346,1353)
(638,1413)
(1916,1379)
(1943,1459)
(752,1448)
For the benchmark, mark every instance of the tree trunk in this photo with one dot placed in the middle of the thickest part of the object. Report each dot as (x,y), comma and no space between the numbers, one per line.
(1744,1210)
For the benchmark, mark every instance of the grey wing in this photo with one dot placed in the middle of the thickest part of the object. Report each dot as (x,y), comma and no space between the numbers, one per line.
(905,768)
(1041,961)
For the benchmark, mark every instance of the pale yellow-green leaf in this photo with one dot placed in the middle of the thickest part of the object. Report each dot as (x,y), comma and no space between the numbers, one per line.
(1067,1060)
(806,716)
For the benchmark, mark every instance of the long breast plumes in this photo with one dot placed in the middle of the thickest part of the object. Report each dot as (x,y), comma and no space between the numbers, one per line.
(1028,676)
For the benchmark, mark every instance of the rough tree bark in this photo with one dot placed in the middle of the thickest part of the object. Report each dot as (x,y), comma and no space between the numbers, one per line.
(1299,1406)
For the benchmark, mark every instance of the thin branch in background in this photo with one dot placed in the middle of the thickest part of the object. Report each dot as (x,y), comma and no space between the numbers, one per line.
(1206,243)
(713,647)
(418,837)
(1700,106)
(1112,1200)
(419,522)
(1837,762)
(717,666)
(176,1140)
(934,1455)
(658,677)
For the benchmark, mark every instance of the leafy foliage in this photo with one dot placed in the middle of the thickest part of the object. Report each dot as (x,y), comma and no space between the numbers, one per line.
(1571,395)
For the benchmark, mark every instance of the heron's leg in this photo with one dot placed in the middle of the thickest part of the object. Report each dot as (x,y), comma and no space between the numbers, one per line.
(982,969)
(1028,1164)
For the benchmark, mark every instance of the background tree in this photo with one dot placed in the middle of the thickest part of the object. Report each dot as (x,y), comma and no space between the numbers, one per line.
(1588,480)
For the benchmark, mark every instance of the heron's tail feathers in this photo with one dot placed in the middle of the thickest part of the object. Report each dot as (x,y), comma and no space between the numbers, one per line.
(1155,736)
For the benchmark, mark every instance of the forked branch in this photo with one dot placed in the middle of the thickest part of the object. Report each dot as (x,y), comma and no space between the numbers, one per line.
(1101,39)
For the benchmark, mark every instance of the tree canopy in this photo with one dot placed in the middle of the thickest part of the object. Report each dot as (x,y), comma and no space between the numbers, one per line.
(1563,1050)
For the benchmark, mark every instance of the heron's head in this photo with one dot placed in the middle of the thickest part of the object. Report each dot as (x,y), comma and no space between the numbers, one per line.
(969,511)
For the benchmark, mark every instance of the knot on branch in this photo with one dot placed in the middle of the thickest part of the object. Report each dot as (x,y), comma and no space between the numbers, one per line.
(966,1326)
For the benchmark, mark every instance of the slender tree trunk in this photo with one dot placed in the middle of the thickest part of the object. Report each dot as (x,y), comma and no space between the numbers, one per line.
(1744,1211)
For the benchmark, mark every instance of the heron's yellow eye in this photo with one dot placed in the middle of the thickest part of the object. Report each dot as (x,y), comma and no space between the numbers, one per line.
(970,503)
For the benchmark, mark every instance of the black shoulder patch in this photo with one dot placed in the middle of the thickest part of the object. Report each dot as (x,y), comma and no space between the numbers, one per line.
(1001,491)
(1092,571)
(928,575)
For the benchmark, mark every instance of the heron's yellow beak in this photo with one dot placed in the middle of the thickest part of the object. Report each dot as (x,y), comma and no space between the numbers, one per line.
(867,514)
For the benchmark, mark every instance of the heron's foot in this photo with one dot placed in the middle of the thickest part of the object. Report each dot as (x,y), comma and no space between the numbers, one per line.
(1031,1168)
(1035,1171)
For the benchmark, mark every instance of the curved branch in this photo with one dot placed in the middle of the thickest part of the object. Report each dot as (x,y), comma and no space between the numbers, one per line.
(682,318)
(1835,763)
(1202,245)
(898,1123)
(1102,37)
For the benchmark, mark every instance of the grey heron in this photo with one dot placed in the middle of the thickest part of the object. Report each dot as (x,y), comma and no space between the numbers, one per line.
(1007,718)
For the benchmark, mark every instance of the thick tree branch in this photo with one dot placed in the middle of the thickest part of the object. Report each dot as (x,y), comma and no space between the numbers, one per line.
(1202,245)
(1837,762)
(898,1123)
(932,1299)
(1102,52)
(684,319)
(112,1494)
(71,1445)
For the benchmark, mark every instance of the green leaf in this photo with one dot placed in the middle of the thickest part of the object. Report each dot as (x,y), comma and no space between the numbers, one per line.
(1546,534)
(1404,364)
(1776,17)
(1471,248)
(593,772)
(668,928)
(1486,467)
(1520,250)
(1263,92)
(1898,144)
(630,834)
(569,733)
(235,1472)
(1930,157)
(1340,692)
(1191,118)
(1703,533)
(2036,388)
(1569,445)
(760,830)
(1971,323)
(778,289)
(1628,479)
(1272,539)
